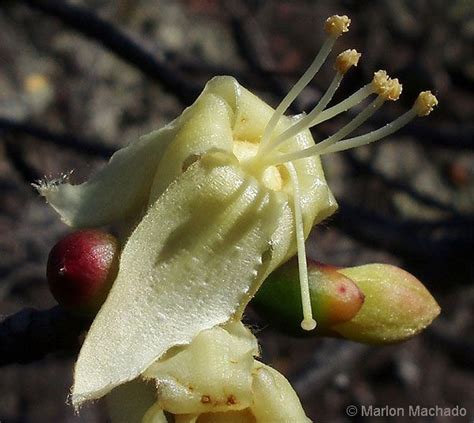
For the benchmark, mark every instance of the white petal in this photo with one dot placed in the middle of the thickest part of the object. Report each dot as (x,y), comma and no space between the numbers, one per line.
(275,399)
(117,191)
(213,373)
(185,268)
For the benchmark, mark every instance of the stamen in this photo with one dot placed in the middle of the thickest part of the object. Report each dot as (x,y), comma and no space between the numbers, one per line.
(373,136)
(392,92)
(423,106)
(344,62)
(377,85)
(308,323)
(334,27)
(353,100)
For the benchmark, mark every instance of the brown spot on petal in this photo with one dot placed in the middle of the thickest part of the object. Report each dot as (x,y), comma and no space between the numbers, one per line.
(205,399)
(231,400)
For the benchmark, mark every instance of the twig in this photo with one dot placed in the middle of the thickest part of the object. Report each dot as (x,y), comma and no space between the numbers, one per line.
(92,26)
(417,238)
(31,334)
(365,167)
(15,155)
(85,146)
(258,59)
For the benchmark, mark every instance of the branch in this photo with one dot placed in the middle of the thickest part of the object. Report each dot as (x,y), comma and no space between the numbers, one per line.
(257,57)
(364,167)
(119,43)
(15,154)
(434,240)
(31,334)
(82,145)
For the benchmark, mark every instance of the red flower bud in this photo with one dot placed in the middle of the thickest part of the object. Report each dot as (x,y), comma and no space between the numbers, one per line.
(81,269)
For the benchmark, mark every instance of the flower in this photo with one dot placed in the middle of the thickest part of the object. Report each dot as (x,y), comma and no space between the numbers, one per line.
(213,203)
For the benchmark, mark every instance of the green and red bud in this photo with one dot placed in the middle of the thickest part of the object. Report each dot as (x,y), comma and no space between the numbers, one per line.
(81,270)
(334,297)
(397,305)
(375,303)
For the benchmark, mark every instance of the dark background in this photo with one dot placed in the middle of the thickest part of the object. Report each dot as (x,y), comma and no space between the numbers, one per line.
(68,100)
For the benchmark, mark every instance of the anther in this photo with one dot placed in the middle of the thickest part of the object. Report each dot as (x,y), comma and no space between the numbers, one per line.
(386,87)
(425,103)
(394,90)
(336,25)
(346,60)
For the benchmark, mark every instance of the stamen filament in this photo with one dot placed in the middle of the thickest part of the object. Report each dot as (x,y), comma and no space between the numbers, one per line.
(388,89)
(351,126)
(323,146)
(305,122)
(373,136)
(296,90)
(344,61)
(308,323)
(350,102)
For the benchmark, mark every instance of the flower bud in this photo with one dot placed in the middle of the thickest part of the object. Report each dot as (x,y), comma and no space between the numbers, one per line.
(373,304)
(397,305)
(81,269)
(334,297)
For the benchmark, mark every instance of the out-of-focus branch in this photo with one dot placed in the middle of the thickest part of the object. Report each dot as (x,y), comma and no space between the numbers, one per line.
(364,167)
(16,157)
(417,238)
(122,45)
(31,334)
(61,139)
(245,30)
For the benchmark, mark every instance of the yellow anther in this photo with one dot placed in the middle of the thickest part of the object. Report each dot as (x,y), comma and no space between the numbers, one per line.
(394,90)
(335,25)
(346,60)
(425,103)
(388,88)
(381,82)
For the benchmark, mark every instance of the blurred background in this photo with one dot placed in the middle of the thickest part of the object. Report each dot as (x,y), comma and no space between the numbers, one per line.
(83,78)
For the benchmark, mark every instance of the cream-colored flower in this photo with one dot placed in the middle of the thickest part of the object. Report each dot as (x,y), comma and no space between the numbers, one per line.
(214,202)
(207,232)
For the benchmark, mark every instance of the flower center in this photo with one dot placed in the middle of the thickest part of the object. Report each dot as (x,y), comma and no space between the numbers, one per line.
(270,176)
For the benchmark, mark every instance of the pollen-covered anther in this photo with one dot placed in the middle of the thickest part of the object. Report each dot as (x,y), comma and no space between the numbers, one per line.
(425,103)
(394,90)
(346,60)
(335,25)
(386,87)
